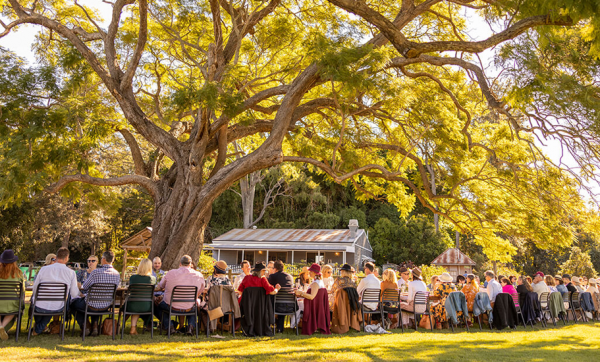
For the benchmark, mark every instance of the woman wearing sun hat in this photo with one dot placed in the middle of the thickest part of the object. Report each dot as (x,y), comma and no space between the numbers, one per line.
(316,304)
(257,279)
(443,289)
(9,272)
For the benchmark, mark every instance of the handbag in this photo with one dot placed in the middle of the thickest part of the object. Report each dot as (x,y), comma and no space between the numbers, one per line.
(424,322)
(107,327)
(218,311)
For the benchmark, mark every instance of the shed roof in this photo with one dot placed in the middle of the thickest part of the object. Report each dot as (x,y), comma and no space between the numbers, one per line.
(141,240)
(290,235)
(453,256)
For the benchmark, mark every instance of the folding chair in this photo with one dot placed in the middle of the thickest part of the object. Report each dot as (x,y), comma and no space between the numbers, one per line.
(575,303)
(515,298)
(99,293)
(49,292)
(139,293)
(285,298)
(567,302)
(13,291)
(545,305)
(390,301)
(182,294)
(370,296)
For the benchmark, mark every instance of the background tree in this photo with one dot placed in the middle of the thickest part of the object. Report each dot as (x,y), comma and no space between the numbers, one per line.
(579,264)
(371,100)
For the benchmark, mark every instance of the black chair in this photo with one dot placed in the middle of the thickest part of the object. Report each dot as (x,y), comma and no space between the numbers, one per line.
(515,298)
(390,301)
(98,293)
(421,308)
(371,296)
(286,299)
(567,302)
(139,293)
(575,304)
(49,292)
(181,294)
(13,291)
(545,307)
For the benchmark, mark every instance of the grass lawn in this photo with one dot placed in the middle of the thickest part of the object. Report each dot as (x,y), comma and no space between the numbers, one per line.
(576,343)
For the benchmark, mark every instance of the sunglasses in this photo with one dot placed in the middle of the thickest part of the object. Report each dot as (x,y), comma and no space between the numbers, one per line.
(52,259)
(92,261)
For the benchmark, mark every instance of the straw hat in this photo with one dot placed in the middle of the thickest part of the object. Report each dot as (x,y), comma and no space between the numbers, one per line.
(446,278)
(575,280)
(593,281)
(49,258)
(221,266)
(416,272)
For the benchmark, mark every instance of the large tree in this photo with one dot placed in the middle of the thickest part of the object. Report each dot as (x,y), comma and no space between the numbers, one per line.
(384,95)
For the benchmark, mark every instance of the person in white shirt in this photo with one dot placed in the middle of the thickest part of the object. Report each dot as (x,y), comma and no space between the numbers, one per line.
(494,288)
(539,285)
(370,281)
(245,271)
(417,285)
(54,273)
(404,277)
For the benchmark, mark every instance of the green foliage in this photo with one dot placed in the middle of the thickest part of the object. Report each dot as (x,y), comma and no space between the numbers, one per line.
(206,262)
(319,220)
(414,239)
(353,213)
(579,264)
(428,271)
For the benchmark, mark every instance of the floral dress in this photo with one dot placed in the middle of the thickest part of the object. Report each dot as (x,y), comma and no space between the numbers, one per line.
(470,291)
(439,310)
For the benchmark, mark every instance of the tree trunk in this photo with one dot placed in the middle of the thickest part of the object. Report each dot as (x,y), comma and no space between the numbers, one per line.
(66,238)
(181,216)
(248,189)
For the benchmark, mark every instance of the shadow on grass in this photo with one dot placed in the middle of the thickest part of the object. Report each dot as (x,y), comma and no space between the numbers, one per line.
(556,343)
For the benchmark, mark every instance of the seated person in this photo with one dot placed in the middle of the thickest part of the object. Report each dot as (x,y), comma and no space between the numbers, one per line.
(57,272)
(9,272)
(143,276)
(370,281)
(257,279)
(184,275)
(285,280)
(470,291)
(443,289)
(417,285)
(507,286)
(104,274)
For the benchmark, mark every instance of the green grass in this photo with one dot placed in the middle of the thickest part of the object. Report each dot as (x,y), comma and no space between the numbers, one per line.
(578,342)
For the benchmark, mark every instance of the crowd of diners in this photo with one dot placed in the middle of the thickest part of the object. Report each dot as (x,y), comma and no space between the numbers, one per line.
(324,303)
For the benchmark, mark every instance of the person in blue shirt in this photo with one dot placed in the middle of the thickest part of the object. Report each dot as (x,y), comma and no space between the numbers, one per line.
(493,285)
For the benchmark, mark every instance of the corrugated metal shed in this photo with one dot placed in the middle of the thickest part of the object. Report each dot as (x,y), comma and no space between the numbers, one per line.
(289,235)
(453,256)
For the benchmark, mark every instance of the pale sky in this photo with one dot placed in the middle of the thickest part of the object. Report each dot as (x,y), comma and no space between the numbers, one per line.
(21,41)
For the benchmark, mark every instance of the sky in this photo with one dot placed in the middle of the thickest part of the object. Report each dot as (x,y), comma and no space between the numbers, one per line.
(21,43)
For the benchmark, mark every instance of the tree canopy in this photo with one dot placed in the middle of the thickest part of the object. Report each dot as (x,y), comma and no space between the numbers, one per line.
(389,97)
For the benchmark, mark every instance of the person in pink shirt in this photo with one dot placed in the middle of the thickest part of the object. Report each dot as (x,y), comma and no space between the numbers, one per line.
(507,286)
(184,275)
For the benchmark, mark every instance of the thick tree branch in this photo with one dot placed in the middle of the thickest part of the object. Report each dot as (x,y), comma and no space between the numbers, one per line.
(139,47)
(145,182)
(136,154)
